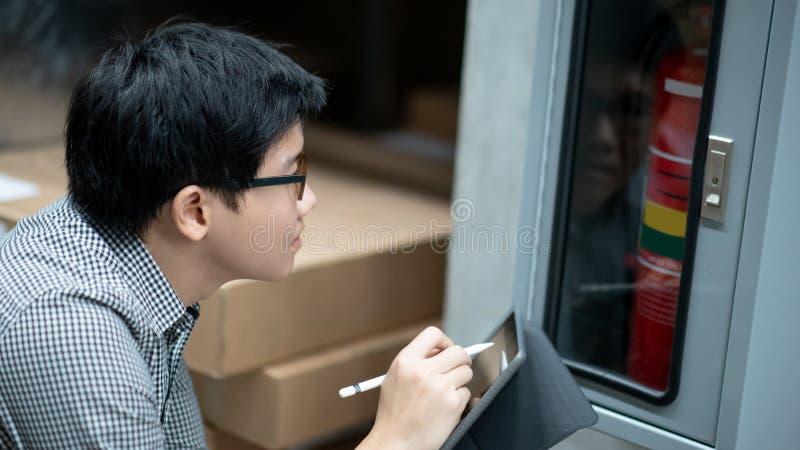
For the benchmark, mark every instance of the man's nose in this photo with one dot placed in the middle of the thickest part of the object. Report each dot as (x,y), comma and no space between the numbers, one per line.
(308,202)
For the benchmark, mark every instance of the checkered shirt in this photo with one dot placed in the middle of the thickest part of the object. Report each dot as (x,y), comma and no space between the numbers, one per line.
(91,340)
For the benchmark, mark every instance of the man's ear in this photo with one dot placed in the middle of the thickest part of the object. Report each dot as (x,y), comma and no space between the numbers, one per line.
(190,212)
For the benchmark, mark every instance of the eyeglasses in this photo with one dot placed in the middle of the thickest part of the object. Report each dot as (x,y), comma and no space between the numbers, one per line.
(298,178)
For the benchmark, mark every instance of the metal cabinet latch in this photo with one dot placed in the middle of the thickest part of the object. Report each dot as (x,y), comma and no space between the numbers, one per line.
(715,178)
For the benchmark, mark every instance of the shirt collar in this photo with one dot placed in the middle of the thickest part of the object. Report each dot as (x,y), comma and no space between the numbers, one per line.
(144,276)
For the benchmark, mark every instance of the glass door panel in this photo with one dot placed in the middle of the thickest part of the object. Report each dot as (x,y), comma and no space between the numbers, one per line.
(628,157)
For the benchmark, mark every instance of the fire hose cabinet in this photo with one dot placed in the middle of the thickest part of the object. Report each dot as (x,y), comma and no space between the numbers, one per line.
(660,136)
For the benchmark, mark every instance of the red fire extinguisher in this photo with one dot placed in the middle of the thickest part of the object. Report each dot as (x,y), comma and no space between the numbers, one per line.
(679,85)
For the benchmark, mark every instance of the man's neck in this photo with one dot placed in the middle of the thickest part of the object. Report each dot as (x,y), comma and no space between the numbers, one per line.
(189,271)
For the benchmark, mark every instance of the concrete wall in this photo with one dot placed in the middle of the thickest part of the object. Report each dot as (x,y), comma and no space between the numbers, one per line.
(769,408)
(493,128)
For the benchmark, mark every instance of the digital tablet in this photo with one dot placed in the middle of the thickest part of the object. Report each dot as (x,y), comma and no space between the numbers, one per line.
(491,371)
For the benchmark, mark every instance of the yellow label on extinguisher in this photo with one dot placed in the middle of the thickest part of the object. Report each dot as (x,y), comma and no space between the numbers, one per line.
(666,220)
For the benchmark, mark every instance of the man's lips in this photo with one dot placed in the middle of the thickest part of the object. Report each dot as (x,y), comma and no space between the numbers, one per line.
(297,241)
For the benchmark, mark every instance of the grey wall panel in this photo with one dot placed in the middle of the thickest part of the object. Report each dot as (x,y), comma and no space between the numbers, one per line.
(493,129)
(769,407)
(758,203)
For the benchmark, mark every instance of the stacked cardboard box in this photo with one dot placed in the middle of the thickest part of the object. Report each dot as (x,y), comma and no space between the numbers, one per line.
(289,403)
(220,440)
(405,162)
(348,440)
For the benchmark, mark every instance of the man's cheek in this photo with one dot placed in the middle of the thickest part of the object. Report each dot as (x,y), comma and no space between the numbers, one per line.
(261,239)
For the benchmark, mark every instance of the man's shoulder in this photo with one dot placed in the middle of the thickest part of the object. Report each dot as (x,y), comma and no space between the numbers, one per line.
(56,245)
(55,255)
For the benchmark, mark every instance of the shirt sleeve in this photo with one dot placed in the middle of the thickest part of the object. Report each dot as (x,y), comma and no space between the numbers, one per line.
(71,376)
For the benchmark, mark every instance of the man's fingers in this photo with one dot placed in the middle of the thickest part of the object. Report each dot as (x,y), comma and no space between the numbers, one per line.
(429,339)
(459,376)
(465,395)
(434,352)
(449,359)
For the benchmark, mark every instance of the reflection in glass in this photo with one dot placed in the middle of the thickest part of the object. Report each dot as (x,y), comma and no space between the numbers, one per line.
(488,365)
(639,105)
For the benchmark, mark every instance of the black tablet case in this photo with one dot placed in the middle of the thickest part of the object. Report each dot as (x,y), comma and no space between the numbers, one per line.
(539,407)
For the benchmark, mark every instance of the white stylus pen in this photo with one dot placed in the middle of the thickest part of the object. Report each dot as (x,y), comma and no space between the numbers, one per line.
(350,391)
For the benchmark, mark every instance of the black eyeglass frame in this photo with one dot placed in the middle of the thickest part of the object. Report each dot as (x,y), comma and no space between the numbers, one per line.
(269,181)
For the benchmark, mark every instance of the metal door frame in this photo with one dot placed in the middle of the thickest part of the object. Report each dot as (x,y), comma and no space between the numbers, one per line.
(691,420)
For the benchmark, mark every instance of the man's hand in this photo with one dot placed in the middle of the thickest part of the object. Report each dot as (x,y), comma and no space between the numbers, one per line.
(423,395)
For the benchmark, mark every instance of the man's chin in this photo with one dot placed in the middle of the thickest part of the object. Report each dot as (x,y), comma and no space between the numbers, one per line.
(275,274)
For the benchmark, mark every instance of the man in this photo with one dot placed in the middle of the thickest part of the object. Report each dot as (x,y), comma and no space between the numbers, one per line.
(176,147)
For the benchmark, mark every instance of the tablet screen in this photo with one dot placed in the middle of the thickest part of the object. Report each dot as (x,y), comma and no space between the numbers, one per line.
(488,365)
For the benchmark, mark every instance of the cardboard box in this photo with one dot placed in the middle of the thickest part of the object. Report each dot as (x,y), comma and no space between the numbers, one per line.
(42,168)
(358,276)
(220,440)
(347,440)
(296,401)
(247,324)
(403,162)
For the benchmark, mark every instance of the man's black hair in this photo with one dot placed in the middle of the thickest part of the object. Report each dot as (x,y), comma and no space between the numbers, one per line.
(188,104)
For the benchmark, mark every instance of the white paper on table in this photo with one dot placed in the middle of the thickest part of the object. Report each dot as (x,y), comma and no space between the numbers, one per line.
(15,189)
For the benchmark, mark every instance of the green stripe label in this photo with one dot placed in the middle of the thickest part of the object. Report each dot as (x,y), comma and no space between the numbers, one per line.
(662,243)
